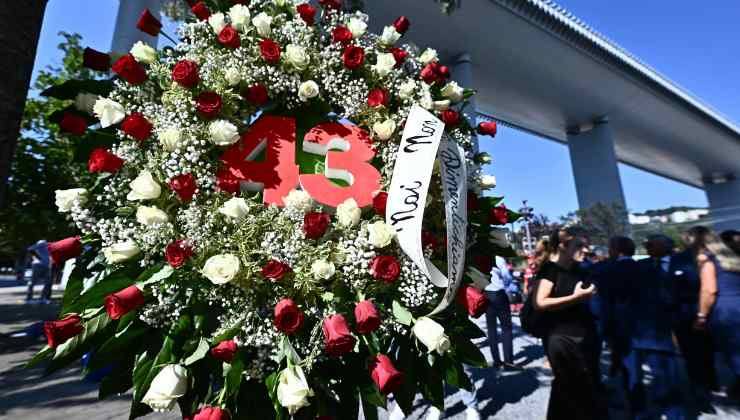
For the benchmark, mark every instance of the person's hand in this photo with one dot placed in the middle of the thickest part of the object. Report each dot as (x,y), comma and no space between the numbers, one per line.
(582,293)
(700,324)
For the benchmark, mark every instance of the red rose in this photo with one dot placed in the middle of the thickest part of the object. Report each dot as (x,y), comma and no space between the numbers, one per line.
(385,268)
(377,97)
(443,71)
(57,332)
(353,57)
(341,34)
(178,252)
(366,317)
(270,50)
(137,126)
(429,240)
(224,351)
(229,37)
(73,124)
(434,72)
(331,4)
(124,301)
(379,202)
(307,13)
(472,201)
(315,224)
(226,181)
(337,338)
(275,270)
(288,318)
(185,73)
(101,160)
(65,249)
(401,24)
(473,300)
(212,413)
(487,128)
(200,10)
(450,117)
(95,60)
(399,54)
(256,94)
(386,377)
(184,186)
(148,23)
(499,215)
(484,263)
(129,69)
(208,104)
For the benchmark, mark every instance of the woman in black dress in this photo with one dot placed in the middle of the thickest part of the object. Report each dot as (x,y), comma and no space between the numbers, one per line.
(571,345)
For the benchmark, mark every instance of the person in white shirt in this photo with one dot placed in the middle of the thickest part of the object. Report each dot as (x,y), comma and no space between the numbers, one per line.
(499,311)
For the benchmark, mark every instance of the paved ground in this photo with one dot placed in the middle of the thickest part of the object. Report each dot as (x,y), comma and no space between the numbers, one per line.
(24,393)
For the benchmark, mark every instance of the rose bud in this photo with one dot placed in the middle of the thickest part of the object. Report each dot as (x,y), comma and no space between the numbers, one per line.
(379,202)
(57,332)
(450,117)
(229,37)
(307,13)
(337,338)
(384,374)
(366,317)
(399,54)
(185,73)
(73,124)
(499,215)
(212,413)
(385,268)
(208,104)
(473,300)
(137,126)
(315,224)
(484,263)
(184,186)
(95,60)
(124,301)
(443,71)
(429,74)
(200,10)
(101,160)
(178,252)
(472,201)
(487,128)
(129,70)
(275,270)
(226,181)
(256,94)
(65,249)
(148,23)
(341,34)
(377,97)
(401,24)
(353,57)
(331,4)
(288,318)
(270,51)
(224,351)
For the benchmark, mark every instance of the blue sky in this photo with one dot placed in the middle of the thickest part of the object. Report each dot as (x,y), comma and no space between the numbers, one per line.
(693,44)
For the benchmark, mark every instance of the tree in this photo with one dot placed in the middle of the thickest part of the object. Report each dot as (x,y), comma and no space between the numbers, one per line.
(599,222)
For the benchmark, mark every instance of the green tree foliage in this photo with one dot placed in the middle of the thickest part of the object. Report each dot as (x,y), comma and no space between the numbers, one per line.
(599,222)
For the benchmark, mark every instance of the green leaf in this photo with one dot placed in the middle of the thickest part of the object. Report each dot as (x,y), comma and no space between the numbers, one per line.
(370,394)
(272,383)
(117,381)
(455,373)
(100,288)
(469,329)
(163,273)
(70,88)
(199,353)
(406,394)
(402,314)
(467,352)
(78,345)
(233,376)
(432,386)
(117,348)
(39,357)
(229,333)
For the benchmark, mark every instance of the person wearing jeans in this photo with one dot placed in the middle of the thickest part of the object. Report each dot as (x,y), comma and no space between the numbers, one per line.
(499,311)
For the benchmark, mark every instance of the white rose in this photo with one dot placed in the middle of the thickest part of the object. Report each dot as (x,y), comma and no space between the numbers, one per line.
(426,100)
(441,105)
(308,90)
(121,251)
(262,22)
(169,138)
(296,56)
(407,89)
(384,64)
(147,215)
(223,133)
(232,76)
(390,35)
(143,53)
(348,213)
(357,26)
(431,334)
(65,199)
(144,187)
(170,384)
(239,15)
(384,130)
(221,268)
(323,269)
(108,112)
(299,200)
(380,234)
(428,56)
(85,102)
(453,92)
(217,22)
(292,389)
(235,208)
(487,182)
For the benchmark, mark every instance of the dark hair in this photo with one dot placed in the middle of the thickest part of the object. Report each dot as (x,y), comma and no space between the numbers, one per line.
(622,245)
(702,239)
(731,238)
(553,241)
(572,245)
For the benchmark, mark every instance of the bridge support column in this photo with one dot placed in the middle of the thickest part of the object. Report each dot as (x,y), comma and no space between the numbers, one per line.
(126,34)
(724,203)
(462,73)
(595,167)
